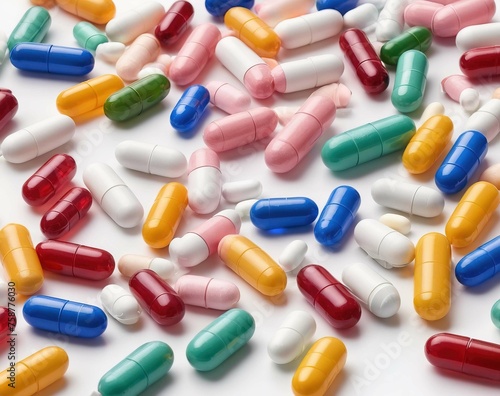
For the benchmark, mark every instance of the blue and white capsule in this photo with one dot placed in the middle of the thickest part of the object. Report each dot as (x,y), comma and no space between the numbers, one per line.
(187,113)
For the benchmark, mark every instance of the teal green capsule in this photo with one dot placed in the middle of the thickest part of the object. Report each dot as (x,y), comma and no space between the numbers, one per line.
(139,370)
(409,84)
(88,36)
(32,27)
(136,98)
(220,339)
(367,142)
(495,314)
(415,38)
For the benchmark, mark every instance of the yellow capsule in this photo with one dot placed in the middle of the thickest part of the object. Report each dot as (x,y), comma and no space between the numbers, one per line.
(20,260)
(432,277)
(165,215)
(34,373)
(472,213)
(88,95)
(99,12)
(253,31)
(427,144)
(319,367)
(253,264)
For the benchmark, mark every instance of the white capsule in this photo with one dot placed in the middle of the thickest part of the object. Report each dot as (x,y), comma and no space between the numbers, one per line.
(204,181)
(292,255)
(408,197)
(361,17)
(386,246)
(380,295)
(292,338)
(274,11)
(432,109)
(129,264)
(149,70)
(396,222)
(228,98)
(110,52)
(492,175)
(243,208)
(120,304)
(484,35)
(37,139)
(310,28)
(486,119)
(3,46)
(151,158)
(241,190)
(4,296)
(390,21)
(113,195)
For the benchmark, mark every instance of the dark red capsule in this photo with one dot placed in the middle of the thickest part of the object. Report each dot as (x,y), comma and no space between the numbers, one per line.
(157,297)
(368,67)
(175,22)
(8,106)
(7,322)
(44,183)
(66,213)
(71,259)
(481,62)
(328,296)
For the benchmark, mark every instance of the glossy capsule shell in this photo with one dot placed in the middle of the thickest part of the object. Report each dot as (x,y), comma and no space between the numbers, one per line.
(36,372)
(8,107)
(120,304)
(32,27)
(495,314)
(275,213)
(99,12)
(88,36)
(228,98)
(461,162)
(204,181)
(415,38)
(144,49)
(428,143)
(129,264)
(19,258)
(140,369)
(218,8)
(432,276)
(475,36)
(165,215)
(188,111)
(337,216)
(292,255)
(472,213)
(331,299)
(252,264)
(220,339)
(157,297)
(486,119)
(48,179)
(341,6)
(367,142)
(481,62)
(367,65)
(319,367)
(464,355)
(479,265)
(174,23)
(390,22)
(79,261)
(64,317)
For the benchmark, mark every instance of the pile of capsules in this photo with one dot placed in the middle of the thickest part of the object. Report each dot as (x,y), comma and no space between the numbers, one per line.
(247,52)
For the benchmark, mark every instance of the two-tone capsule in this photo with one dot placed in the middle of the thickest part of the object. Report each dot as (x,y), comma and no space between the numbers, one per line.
(88,36)
(204,181)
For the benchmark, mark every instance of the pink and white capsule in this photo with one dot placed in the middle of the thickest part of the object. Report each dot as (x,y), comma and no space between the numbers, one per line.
(307,73)
(292,255)
(194,54)
(246,66)
(361,17)
(202,291)
(476,36)
(129,264)
(274,11)
(241,190)
(110,52)
(461,90)
(310,28)
(486,119)
(390,22)
(204,181)
(120,304)
(196,246)
(143,50)
(228,98)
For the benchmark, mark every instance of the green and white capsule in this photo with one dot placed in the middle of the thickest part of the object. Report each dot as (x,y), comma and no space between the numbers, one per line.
(88,36)
(415,38)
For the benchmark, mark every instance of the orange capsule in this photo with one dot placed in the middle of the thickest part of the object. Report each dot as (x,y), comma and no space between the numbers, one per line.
(99,12)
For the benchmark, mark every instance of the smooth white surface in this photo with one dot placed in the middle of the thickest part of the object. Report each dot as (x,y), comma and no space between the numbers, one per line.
(385,356)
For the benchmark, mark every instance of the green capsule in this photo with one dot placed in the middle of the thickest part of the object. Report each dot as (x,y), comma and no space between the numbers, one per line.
(220,339)
(139,370)
(495,314)
(32,27)
(409,84)
(136,98)
(88,36)
(367,142)
(417,38)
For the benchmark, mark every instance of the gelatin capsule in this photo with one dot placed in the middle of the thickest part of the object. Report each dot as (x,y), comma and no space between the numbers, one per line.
(361,17)
(99,12)
(481,62)
(341,6)
(275,11)
(228,98)
(218,8)
(32,27)
(292,255)
(144,49)
(188,111)
(415,38)
(120,304)
(88,36)
(479,265)
(8,106)
(390,22)
(204,181)
(475,36)
(396,222)
(486,120)
(129,264)
(174,23)
(492,175)
(432,109)
(276,213)
(243,208)
(461,90)
(241,190)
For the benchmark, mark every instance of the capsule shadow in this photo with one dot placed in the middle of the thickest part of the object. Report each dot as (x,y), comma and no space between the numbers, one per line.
(366,168)
(459,377)
(55,388)
(350,333)
(161,386)
(96,342)
(287,231)
(176,329)
(52,76)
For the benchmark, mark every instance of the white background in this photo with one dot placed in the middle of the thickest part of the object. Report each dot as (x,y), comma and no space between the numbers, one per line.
(385,357)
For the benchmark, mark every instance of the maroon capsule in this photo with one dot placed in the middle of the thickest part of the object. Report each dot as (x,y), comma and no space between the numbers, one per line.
(369,68)
(8,106)
(44,183)
(481,62)
(7,322)
(66,213)
(464,355)
(175,22)
(328,296)
(75,260)
(157,297)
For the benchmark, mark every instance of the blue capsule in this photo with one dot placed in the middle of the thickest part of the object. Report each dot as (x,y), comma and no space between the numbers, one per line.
(48,58)
(65,317)
(337,216)
(218,8)
(461,162)
(275,213)
(188,111)
(341,6)
(479,265)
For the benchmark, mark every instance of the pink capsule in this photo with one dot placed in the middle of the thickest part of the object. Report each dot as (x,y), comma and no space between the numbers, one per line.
(421,13)
(460,89)
(143,50)
(228,98)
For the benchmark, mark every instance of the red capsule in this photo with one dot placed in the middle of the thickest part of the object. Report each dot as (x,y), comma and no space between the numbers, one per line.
(66,213)
(8,106)
(175,22)
(481,62)
(7,322)
(75,260)
(369,68)
(44,183)
(328,296)
(464,355)
(157,297)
